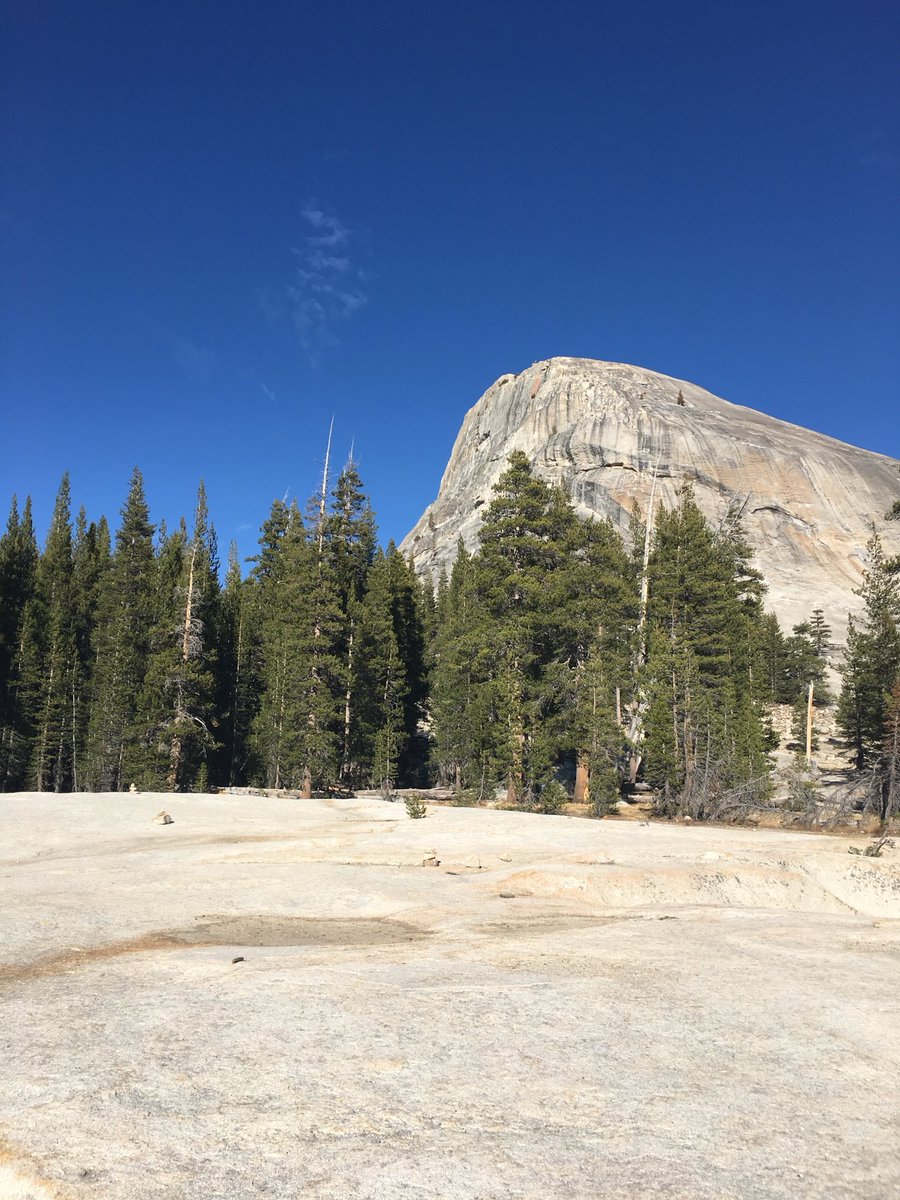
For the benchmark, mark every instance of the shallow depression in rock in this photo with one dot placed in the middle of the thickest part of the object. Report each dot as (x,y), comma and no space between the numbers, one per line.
(267,930)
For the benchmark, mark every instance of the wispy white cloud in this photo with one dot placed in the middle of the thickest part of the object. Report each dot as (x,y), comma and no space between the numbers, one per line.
(196,361)
(328,286)
(268,392)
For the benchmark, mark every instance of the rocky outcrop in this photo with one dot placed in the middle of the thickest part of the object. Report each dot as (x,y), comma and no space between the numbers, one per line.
(602,428)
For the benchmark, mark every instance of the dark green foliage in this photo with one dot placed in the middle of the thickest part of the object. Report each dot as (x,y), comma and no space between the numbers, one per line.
(533,637)
(350,544)
(389,675)
(415,808)
(332,664)
(705,729)
(871,659)
(297,728)
(176,712)
(18,564)
(50,671)
(458,700)
(121,647)
(235,690)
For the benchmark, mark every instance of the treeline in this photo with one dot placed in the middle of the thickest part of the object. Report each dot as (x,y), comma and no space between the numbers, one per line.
(555,660)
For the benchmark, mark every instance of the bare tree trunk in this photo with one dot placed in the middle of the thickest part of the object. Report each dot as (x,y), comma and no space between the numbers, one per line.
(45,730)
(809,723)
(516,739)
(279,724)
(176,749)
(235,693)
(636,726)
(312,719)
(348,697)
(582,775)
(74,747)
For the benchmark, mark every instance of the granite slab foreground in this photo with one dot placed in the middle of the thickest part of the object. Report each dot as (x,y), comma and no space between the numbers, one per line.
(558,1008)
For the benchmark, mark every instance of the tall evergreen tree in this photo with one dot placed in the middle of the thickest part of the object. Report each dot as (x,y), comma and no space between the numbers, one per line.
(597,607)
(50,676)
(298,729)
(235,681)
(18,564)
(872,658)
(706,729)
(176,709)
(351,540)
(458,700)
(90,563)
(524,541)
(268,601)
(125,615)
(390,675)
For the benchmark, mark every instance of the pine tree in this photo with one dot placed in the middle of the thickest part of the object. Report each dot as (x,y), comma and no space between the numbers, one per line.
(90,563)
(706,729)
(351,539)
(380,684)
(235,683)
(890,756)
(390,679)
(803,664)
(124,618)
(597,611)
(268,604)
(50,676)
(176,708)
(820,632)
(458,699)
(18,564)
(871,659)
(524,540)
(297,731)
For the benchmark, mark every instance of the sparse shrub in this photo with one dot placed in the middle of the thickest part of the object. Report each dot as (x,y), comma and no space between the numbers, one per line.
(874,848)
(465,798)
(551,798)
(605,790)
(415,807)
(803,790)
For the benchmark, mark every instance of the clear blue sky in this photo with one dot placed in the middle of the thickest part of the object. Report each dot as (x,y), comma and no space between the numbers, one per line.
(222,222)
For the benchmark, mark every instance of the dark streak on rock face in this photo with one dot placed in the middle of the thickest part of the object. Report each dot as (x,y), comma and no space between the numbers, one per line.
(243,931)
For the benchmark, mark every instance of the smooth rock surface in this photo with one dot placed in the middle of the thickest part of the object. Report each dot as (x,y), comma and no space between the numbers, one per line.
(601,428)
(603,1009)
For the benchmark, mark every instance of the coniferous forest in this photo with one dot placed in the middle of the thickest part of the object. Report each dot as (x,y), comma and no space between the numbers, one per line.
(557,661)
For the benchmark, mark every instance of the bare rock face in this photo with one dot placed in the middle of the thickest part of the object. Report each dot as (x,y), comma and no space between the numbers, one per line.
(601,428)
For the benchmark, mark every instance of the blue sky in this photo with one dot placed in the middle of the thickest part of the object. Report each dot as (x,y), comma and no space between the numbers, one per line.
(221,223)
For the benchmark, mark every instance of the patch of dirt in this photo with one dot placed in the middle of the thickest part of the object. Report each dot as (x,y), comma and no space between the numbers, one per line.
(300,931)
(540,925)
(257,931)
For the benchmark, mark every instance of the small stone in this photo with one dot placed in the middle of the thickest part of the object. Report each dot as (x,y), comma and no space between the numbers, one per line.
(238,958)
(163,818)
(133,789)
(506,858)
